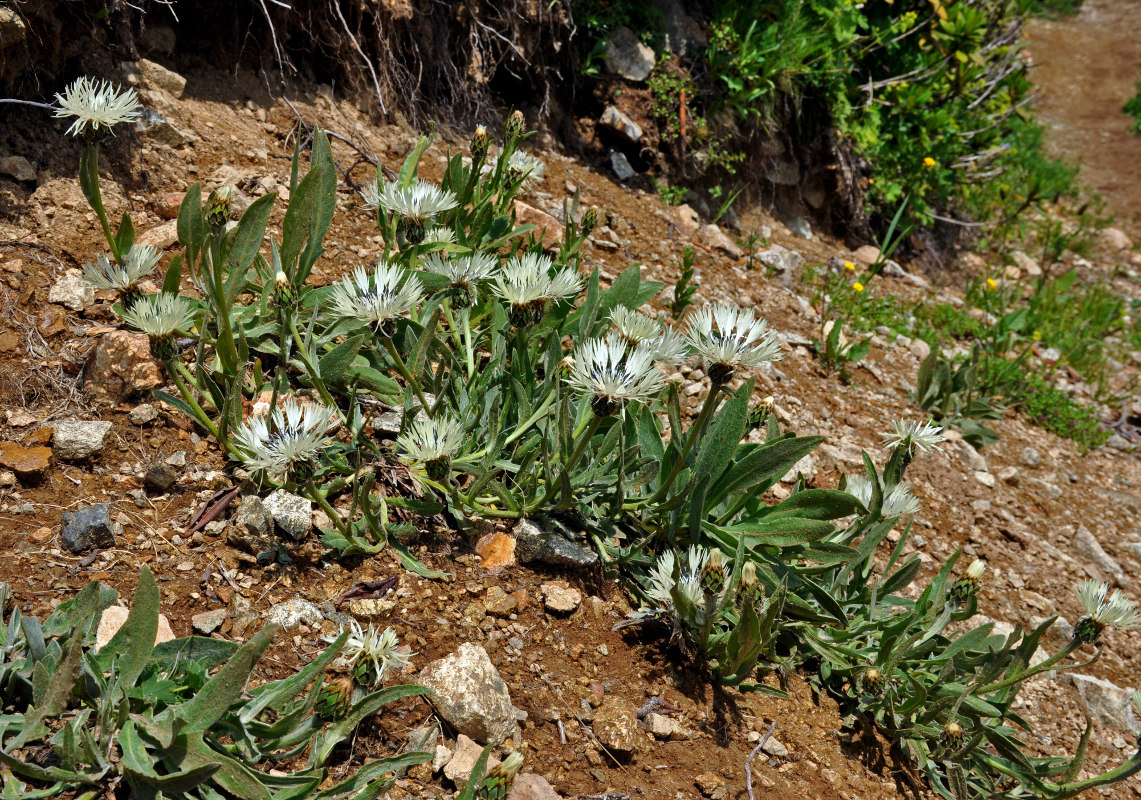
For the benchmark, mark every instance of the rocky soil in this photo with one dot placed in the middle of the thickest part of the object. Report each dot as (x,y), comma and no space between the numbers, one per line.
(97,479)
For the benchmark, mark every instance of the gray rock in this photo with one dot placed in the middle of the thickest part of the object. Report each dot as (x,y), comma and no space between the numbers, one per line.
(683,34)
(388,423)
(88,528)
(621,166)
(159,478)
(971,457)
(459,766)
(155,126)
(775,748)
(1103,701)
(143,415)
(533,543)
(529,786)
(1119,442)
(1026,264)
(800,228)
(1115,239)
(71,291)
(782,171)
(716,239)
(985,478)
(208,621)
(77,440)
(664,727)
(1088,547)
(177,459)
(293,613)
(627,56)
(469,694)
(1010,475)
(616,726)
(1134,549)
(293,515)
(159,77)
(782,261)
(17,167)
(617,121)
(920,349)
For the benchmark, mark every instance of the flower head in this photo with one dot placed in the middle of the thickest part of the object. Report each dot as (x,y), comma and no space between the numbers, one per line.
(858,287)
(991,283)
(968,585)
(160,316)
(418,201)
(438,234)
(464,273)
(848,265)
(924,435)
(137,264)
(729,338)
(372,654)
(97,106)
(1116,611)
(929,162)
(899,501)
(633,327)
(613,373)
(388,295)
(526,169)
(431,443)
(527,284)
(288,441)
(689,578)
(860,488)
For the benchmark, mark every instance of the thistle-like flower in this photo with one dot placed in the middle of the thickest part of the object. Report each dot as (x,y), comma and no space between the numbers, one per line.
(160,316)
(524,169)
(380,301)
(922,435)
(414,204)
(431,443)
(480,142)
(464,274)
(689,578)
(899,502)
(335,697)
(496,784)
(968,585)
(97,106)
(729,338)
(953,735)
(527,284)
(613,373)
(372,654)
(634,327)
(288,442)
(438,234)
(860,488)
(759,414)
(1116,611)
(872,680)
(137,264)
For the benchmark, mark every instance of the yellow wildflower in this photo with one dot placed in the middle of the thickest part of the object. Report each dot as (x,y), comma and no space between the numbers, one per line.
(859,287)
(848,265)
(991,283)
(929,162)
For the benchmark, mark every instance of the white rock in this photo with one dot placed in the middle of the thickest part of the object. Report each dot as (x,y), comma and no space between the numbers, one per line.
(1103,701)
(77,440)
(1115,239)
(972,457)
(294,612)
(113,618)
(292,515)
(559,598)
(616,120)
(459,766)
(1088,547)
(469,694)
(71,291)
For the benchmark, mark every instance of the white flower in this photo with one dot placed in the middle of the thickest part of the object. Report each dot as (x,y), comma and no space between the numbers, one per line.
(613,373)
(372,654)
(438,234)
(729,337)
(899,502)
(463,272)
(924,435)
(1116,611)
(634,327)
(390,294)
(292,436)
(528,169)
(96,105)
(527,284)
(976,569)
(669,348)
(138,263)
(415,203)
(860,488)
(689,578)
(428,442)
(159,315)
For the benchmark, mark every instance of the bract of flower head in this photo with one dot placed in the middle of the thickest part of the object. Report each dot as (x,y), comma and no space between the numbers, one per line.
(728,338)
(613,373)
(289,439)
(385,295)
(922,435)
(97,106)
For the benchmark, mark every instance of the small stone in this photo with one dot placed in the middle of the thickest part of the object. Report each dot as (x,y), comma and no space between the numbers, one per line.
(17,167)
(293,515)
(375,609)
(1026,264)
(72,291)
(800,228)
(1030,457)
(619,122)
(88,528)
(616,726)
(78,440)
(208,621)
(1088,547)
(1115,239)
(469,694)
(536,544)
(176,459)
(782,261)
(293,613)
(716,239)
(920,349)
(866,255)
(973,459)
(21,419)
(29,463)
(163,236)
(1010,475)
(121,367)
(558,598)
(1133,548)
(113,618)
(498,603)
(156,76)
(143,414)
(251,526)
(621,166)
(496,551)
(627,56)
(7,479)
(551,229)
(529,786)
(985,478)
(159,478)
(775,748)
(711,785)
(442,757)
(459,767)
(664,727)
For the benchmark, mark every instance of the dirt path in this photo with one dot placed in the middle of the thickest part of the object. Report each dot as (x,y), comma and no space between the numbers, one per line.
(1085,68)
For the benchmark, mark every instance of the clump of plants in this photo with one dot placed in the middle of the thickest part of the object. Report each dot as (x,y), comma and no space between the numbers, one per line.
(527,389)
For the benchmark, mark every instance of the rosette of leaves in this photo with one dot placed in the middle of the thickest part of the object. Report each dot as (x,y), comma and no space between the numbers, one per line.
(154,718)
(951,393)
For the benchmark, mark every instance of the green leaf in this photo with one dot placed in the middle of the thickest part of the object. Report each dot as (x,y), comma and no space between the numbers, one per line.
(333,364)
(191,223)
(131,646)
(215,698)
(188,751)
(173,279)
(342,728)
(781,532)
(407,172)
(58,688)
(125,238)
(821,504)
(310,212)
(763,465)
(203,650)
(139,765)
(247,239)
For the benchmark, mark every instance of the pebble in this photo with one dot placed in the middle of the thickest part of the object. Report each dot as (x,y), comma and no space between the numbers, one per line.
(143,415)
(78,440)
(558,598)
(208,621)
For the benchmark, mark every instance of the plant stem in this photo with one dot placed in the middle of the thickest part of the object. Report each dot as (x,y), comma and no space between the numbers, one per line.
(203,418)
(310,368)
(402,368)
(97,201)
(695,432)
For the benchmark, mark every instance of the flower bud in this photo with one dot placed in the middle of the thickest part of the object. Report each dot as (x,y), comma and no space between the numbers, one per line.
(968,586)
(873,681)
(749,575)
(953,735)
(589,220)
(514,126)
(218,207)
(713,576)
(480,142)
(335,697)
